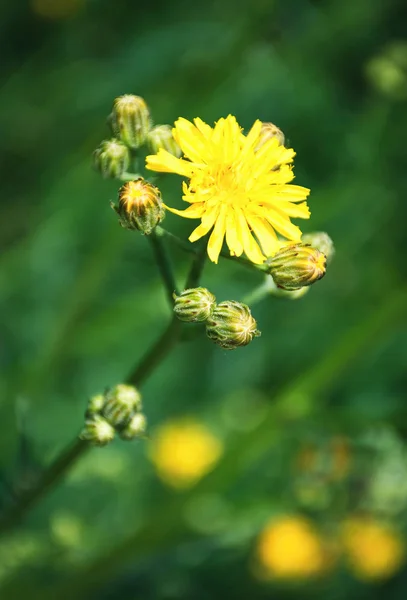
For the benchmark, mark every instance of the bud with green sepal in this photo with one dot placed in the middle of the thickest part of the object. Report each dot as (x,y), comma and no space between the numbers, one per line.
(140,206)
(135,428)
(296,266)
(97,431)
(130,120)
(194,305)
(270,131)
(160,137)
(231,325)
(121,403)
(112,158)
(321,241)
(95,405)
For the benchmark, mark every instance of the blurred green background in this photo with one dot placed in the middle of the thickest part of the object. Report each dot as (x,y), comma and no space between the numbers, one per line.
(312,416)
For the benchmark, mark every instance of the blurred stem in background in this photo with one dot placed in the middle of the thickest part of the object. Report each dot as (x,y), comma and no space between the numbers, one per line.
(151,360)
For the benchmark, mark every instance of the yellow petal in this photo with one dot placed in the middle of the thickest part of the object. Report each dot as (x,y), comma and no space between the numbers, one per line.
(250,245)
(293,193)
(295,211)
(164,162)
(216,240)
(192,212)
(233,239)
(208,221)
(265,234)
(282,224)
(190,140)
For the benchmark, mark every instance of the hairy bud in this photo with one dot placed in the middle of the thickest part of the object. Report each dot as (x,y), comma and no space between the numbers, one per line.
(194,305)
(111,158)
(140,206)
(322,242)
(135,428)
(121,403)
(231,325)
(130,120)
(161,137)
(97,431)
(296,266)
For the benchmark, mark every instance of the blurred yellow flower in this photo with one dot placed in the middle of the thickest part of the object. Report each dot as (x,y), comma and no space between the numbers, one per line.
(291,548)
(374,550)
(237,187)
(184,451)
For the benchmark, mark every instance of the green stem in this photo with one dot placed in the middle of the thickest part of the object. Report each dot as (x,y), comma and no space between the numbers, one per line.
(164,266)
(258,294)
(187,247)
(71,453)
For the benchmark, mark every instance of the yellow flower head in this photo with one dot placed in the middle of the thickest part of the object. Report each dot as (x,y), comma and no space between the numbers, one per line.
(238,187)
(290,548)
(374,550)
(183,452)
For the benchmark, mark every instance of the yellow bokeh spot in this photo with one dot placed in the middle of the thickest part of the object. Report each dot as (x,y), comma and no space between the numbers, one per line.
(373,549)
(184,451)
(290,548)
(56,9)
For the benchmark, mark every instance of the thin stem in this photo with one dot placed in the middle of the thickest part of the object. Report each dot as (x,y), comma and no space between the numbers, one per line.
(164,266)
(187,247)
(197,267)
(258,294)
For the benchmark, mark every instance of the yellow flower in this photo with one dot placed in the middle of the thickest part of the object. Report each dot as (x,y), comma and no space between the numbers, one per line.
(374,549)
(290,548)
(184,451)
(238,188)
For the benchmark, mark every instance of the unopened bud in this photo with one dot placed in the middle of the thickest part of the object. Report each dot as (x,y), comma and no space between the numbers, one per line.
(269,131)
(135,428)
(111,158)
(121,403)
(140,206)
(97,431)
(231,325)
(321,241)
(296,266)
(95,405)
(161,137)
(130,120)
(194,305)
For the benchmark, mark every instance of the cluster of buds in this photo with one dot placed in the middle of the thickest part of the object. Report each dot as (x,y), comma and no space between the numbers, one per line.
(229,324)
(119,410)
(131,124)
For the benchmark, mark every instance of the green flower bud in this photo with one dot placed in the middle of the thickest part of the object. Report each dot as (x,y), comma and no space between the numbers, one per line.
(194,305)
(130,120)
(121,402)
(296,266)
(95,406)
(111,158)
(322,242)
(140,206)
(135,428)
(269,131)
(231,325)
(97,431)
(161,137)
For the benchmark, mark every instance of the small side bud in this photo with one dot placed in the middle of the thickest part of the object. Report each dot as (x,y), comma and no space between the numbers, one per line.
(135,428)
(97,431)
(161,137)
(140,206)
(111,158)
(231,325)
(194,305)
(95,406)
(322,242)
(121,402)
(296,266)
(269,131)
(130,120)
